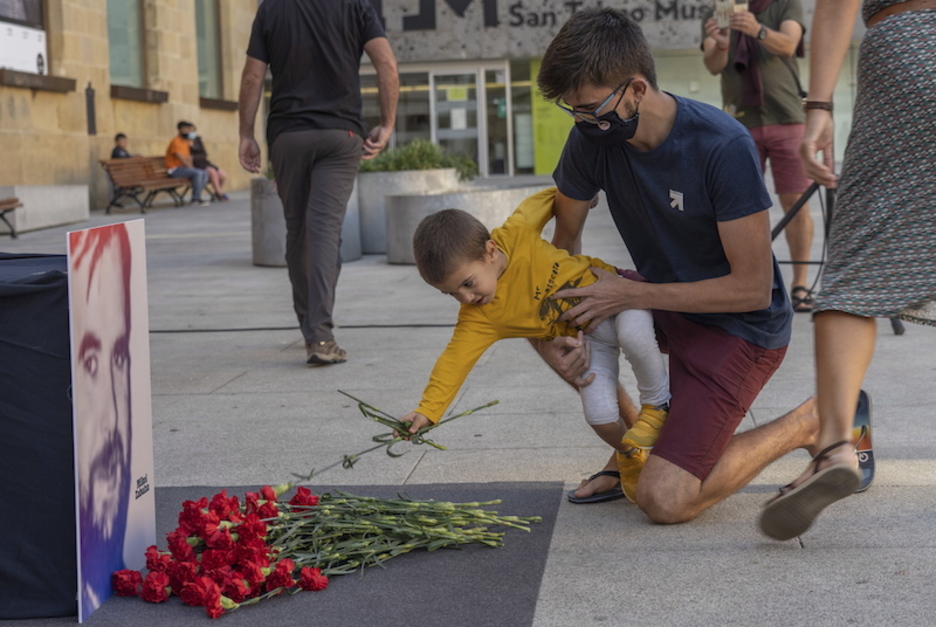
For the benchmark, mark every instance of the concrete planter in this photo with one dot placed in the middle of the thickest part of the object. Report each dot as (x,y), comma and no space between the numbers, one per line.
(492,206)
(268,226)
(374,186)
(45,206)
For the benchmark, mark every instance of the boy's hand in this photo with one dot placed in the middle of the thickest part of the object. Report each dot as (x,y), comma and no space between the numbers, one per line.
(417,421)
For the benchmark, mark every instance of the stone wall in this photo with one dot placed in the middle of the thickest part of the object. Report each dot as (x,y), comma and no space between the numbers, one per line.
(44,132)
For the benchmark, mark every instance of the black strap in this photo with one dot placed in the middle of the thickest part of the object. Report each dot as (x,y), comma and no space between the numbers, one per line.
(824,453)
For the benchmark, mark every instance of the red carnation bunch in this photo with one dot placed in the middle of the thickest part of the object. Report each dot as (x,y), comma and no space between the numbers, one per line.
(219,556)
(226,554)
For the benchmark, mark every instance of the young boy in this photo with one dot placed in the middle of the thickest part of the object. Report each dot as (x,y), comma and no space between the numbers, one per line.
(504,281)
(120,147)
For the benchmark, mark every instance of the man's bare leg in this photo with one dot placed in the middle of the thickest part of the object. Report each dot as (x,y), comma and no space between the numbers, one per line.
(669,494)
(628,412)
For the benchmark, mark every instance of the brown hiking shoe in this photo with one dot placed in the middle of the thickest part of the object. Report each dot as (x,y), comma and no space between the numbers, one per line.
(324,353)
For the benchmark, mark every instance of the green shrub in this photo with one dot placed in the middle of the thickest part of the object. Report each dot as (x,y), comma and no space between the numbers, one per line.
(420,154)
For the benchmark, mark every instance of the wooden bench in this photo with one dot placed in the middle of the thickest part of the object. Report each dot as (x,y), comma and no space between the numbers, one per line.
(144,177)
(7,205)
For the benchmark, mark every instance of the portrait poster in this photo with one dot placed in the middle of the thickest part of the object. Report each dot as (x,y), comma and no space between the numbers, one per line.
(111,405)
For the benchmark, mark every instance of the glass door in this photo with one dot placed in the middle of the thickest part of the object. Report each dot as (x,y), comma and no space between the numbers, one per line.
(456,125)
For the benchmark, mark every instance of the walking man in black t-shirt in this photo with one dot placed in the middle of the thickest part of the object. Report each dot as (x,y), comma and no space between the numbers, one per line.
(316,136)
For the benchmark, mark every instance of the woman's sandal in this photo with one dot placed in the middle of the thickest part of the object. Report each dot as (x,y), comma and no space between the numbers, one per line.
(801,298)
(793,511)
(600,497)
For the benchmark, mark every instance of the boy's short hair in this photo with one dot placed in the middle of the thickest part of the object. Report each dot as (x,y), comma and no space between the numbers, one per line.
(119,136)
(595,47)
(445,239)
(182,124)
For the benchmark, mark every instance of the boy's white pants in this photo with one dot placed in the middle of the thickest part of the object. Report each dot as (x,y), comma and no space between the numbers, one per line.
(630,332)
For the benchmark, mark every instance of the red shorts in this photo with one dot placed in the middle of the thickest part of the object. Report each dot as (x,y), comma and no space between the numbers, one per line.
(780,143)
(714,379)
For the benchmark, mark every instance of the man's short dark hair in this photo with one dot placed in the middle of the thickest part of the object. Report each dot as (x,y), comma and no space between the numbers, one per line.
(119,136)
(595,47)
(183,124)
(446,239)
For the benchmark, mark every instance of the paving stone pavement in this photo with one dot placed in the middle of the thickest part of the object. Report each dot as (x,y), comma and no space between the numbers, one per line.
(235,404)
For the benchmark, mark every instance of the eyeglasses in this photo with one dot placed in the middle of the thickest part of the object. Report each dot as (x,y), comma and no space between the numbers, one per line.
(592,116)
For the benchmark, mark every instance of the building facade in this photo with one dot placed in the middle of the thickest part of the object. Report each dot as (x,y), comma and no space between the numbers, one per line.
(468,72)
(75,72)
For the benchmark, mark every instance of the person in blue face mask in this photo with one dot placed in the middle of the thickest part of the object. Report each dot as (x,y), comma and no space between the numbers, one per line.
(684,186)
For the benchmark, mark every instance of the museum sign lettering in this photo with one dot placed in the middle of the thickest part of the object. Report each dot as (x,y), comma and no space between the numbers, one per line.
(431,30)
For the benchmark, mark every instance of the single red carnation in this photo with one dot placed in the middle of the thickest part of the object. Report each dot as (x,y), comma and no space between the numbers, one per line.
(212,600)
(193,593)
(268,493)
(281,577)
(268,510)
(252,502)
(312,579)
(155,560)
(214,558)
(180,573)
(220,575)
(236,588)
(126,583)
(220,539)
(179,547)
(304,496)
(155,587)
(191,514)
(251,528)
(253,573)
(208,525)
(252,550)
(222,505)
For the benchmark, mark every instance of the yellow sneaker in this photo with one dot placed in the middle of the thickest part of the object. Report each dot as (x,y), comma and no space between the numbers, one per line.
(647,427)
(629,465)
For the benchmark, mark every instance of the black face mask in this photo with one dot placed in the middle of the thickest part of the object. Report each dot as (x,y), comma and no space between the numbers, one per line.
(610,130)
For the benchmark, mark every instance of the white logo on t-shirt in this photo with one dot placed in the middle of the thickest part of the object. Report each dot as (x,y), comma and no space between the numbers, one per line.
(676,200)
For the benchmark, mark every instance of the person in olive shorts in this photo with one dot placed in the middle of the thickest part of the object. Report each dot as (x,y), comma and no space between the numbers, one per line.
(756,59)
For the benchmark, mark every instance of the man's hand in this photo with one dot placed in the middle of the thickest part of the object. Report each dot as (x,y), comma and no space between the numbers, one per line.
(817,137)
(745,22)
(417,421)
(601,300)
(570,357)
(720,35)
(376,141)
(249,153)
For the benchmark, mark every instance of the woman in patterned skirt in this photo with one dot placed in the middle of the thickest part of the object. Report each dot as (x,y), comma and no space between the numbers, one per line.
(882,250)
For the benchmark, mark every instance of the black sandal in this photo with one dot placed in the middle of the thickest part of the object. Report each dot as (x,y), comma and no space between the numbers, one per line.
(793,511)
(801,298)
(600,497)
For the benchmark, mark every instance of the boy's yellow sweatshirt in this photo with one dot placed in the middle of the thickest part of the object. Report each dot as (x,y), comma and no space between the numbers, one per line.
(521,307)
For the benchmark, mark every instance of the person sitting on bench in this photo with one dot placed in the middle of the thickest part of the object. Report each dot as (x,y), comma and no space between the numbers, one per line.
(179,162)
(216,176)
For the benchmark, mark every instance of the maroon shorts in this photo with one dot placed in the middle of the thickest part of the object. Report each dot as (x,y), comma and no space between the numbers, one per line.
(780,144)
(714,379)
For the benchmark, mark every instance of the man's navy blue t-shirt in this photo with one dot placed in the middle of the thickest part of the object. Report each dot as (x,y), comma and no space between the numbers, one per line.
(666,203)
(314,52)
